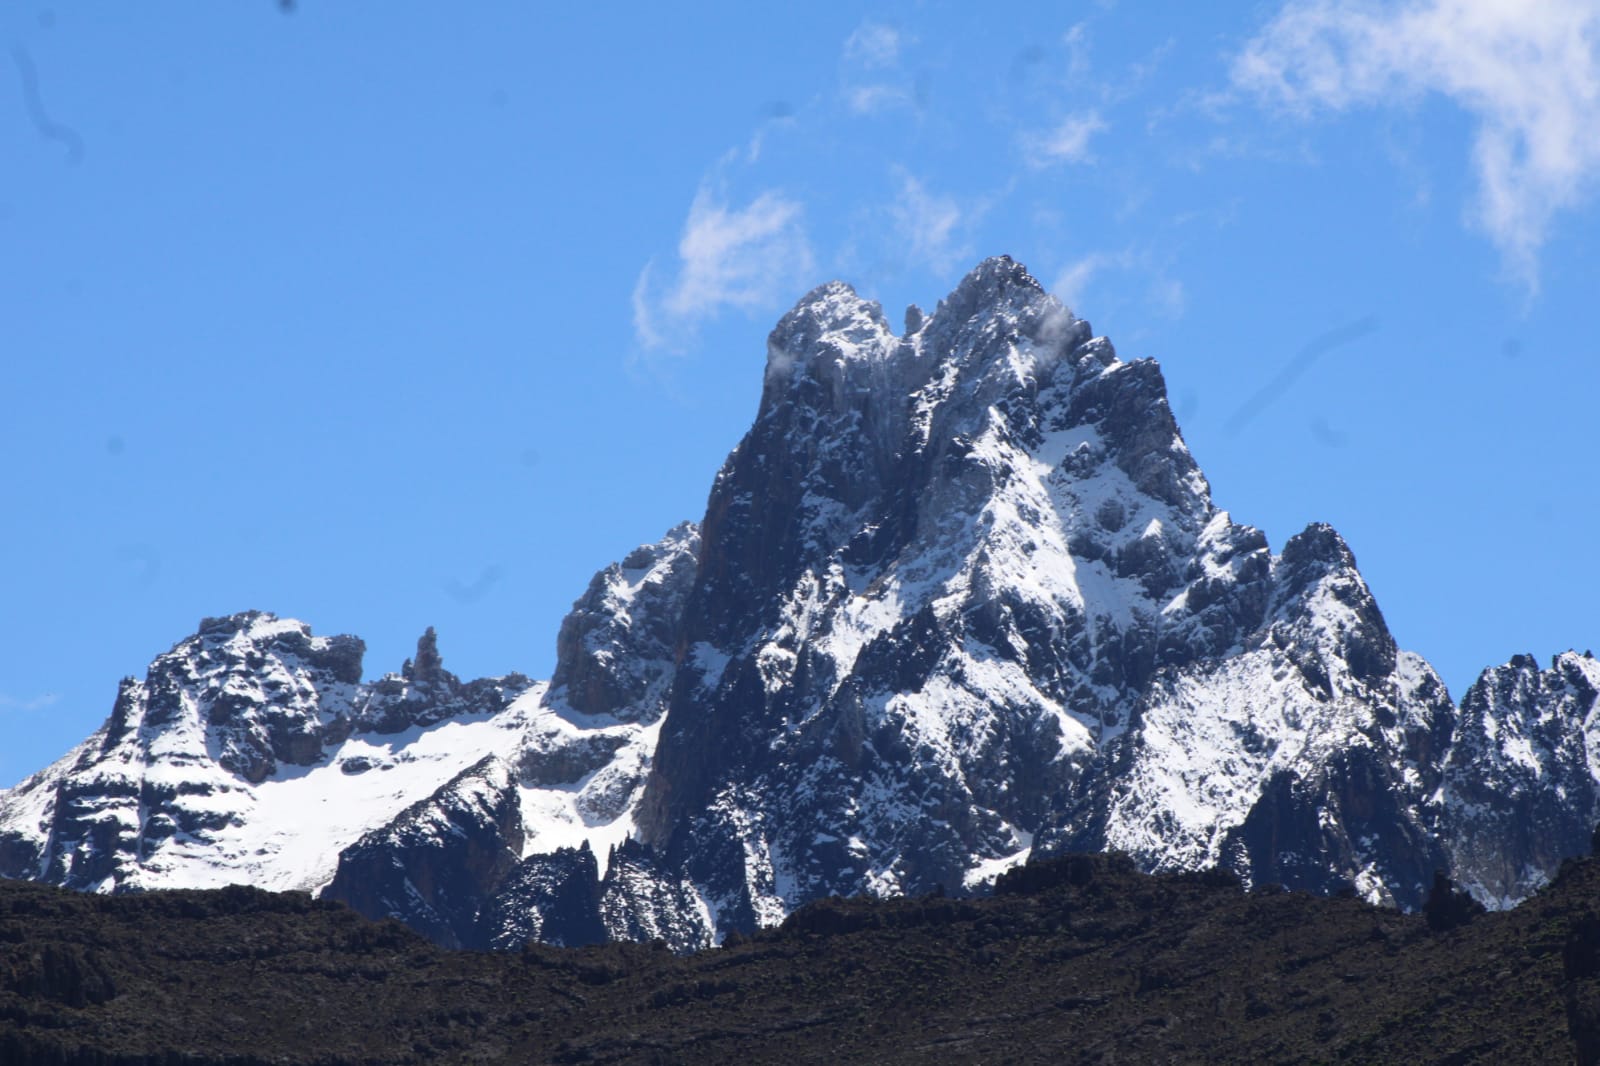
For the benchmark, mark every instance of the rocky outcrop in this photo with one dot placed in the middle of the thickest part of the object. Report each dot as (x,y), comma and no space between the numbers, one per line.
(1305,756)
(552,898)
(436,866)
(571,765)
(424,693)
(640,899)
(1522,778)
(616,650)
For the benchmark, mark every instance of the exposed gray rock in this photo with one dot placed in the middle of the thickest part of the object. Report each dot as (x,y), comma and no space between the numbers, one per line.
(552,898)
(642,900)
(424,693)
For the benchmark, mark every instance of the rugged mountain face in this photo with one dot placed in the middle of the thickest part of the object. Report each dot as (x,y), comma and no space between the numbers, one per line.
(1305,757)
(616,651)
(1521,790)
(435,865)
(961,597)
(510,845)
(966,586)
(199,775)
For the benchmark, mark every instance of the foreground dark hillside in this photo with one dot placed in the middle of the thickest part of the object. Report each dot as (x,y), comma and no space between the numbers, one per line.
(1077,960)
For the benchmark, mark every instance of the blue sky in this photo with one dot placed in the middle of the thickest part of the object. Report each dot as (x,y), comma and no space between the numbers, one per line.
(389,320)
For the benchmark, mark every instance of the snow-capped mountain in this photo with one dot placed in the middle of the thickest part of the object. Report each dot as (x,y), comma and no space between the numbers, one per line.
(960,596)
(965,587)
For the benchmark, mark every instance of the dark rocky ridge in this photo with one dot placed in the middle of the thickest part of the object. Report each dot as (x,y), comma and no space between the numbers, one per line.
(616,649)
(438,862)
(424,693)
(1078,960)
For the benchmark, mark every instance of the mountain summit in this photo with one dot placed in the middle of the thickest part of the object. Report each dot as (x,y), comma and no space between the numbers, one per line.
(960,597)
(964,593)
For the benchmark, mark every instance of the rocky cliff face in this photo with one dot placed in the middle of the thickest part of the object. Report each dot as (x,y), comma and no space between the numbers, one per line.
(617,649)
(437,863)
(506,852)
(1521,790)
(1304,756)
(961,597)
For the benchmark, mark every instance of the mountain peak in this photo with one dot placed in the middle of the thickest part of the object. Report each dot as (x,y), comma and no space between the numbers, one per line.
(1318,545)
(252,624)
(832,308)
(999,272)
(998,281)
(830,327)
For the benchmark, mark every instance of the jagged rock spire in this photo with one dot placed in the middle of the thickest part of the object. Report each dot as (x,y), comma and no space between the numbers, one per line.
(427,668)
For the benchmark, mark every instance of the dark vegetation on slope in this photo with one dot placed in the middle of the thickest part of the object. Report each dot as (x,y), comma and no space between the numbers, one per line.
(1080,959)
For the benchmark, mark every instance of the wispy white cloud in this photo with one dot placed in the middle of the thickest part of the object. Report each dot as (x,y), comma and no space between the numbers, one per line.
(1073,279)
(36,703)
(1527,72)
(927,225)
(871,99)
(873,44)
(1163,294)
(1076,41)
(1068,142)
(872,79)
(746,258)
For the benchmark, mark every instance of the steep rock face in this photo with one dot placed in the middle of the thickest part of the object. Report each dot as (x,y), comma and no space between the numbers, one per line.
(586,751)
(219,712)
(436,865)
(950,580)
(640,899)
(551,898)
(1305,757)
(615,651)
(561,897)
(1522,781)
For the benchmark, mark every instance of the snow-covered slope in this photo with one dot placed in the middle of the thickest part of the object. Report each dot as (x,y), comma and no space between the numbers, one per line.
(960,596)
